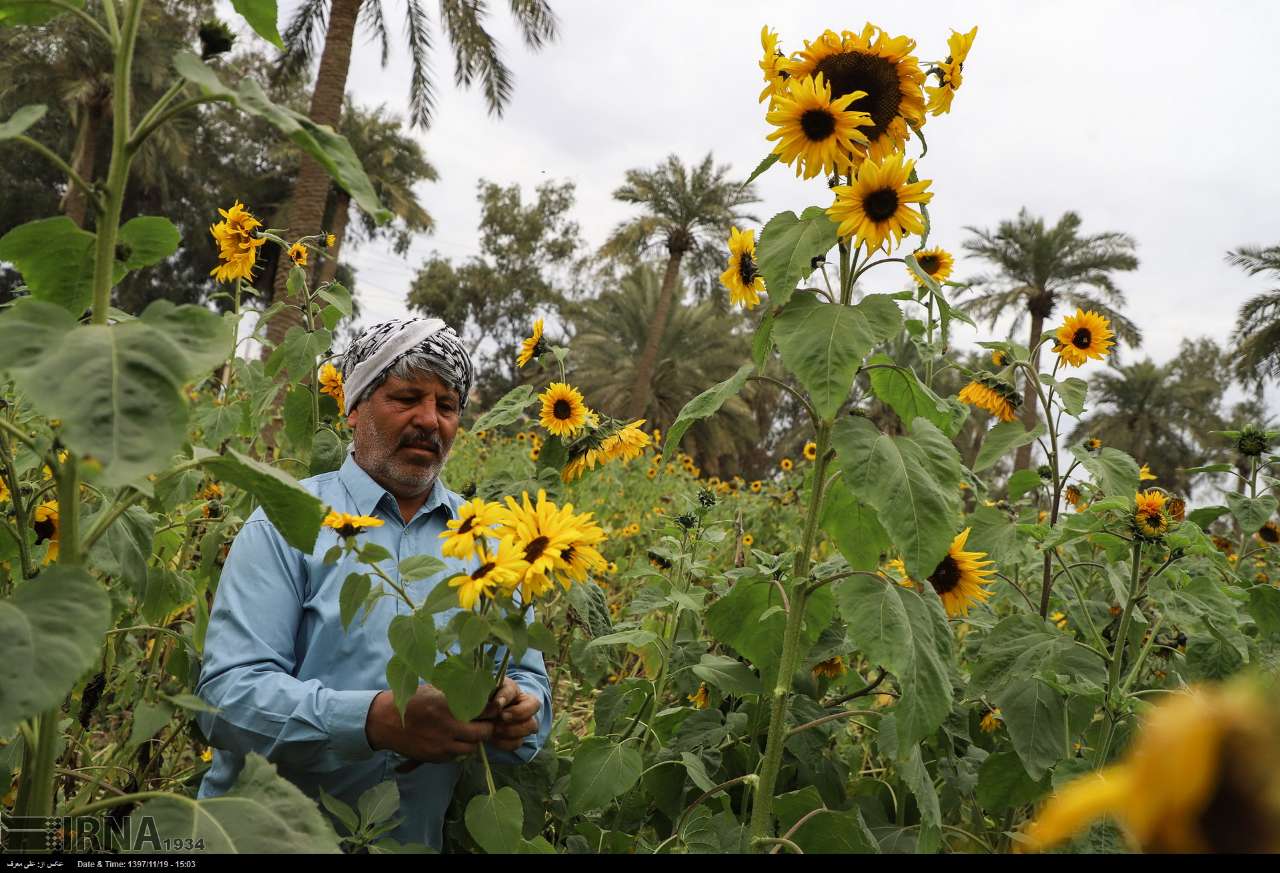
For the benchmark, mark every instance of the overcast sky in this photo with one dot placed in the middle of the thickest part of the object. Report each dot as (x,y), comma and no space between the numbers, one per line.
(1154,118)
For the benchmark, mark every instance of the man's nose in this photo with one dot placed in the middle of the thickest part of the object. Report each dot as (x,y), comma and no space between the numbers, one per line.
(424,415)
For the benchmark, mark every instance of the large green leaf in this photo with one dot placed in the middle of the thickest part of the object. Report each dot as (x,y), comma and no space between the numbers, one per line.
(911,482)
(788,246)
(736,619)
(261,16)
(1112,470)
(908,635)
(704,405)
(1251,512)
(495,821)
(413,639)
(26,116)
(828,832)
(1035,714)
(824,344)
(1264,607)
(466,687)
(262,813)
(910,398)
(148,240)
(1003,783)
(728,674)
(295,512)
(1023,646)
(52,627)
(853,527)
(601,771)
(1002,439)
(32,11)
(508,409)
(330,150)
(55,258)
(204,337)
(1071,391)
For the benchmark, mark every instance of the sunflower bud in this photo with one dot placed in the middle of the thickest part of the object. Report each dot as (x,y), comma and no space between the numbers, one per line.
(215,39)
(706,499)
(1177,509)
(687,521)
(1252,442)
(1044,471)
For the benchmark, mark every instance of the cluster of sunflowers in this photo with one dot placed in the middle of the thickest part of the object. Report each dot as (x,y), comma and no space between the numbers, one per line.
(239,239)
(522,545)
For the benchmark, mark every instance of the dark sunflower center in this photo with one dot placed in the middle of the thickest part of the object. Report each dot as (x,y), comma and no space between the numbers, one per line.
(928,263)
(348,530)
(817,124)
(1270,533)
(747,269)
(1151,520)
(880,205)
(44,530)
(483,570)
(946,577)
(854,71)
(1082,338)
(533,551)
(562,410)
(467,525)
(567,555)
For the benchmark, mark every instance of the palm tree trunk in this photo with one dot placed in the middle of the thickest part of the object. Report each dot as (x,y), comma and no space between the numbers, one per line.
(1022,460)
(311,190)
(75,203)
(640,388)
(337,227)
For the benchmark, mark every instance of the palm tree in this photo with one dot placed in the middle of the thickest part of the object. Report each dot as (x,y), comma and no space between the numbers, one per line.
(689,214)
(1040,267)
(475,57)
(699,348)
(1258,325)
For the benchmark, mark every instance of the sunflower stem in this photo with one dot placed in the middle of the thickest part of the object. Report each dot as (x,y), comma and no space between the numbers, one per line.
(1122,638)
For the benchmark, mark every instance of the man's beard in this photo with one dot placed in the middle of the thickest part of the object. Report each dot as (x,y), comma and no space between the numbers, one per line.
(376,453)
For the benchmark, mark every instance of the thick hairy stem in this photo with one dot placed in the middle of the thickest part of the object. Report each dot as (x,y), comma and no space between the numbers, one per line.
(1117,657)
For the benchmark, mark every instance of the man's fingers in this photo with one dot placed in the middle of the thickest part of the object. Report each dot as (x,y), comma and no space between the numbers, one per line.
(519,730)
(473,731)
(508,745)
(458,748)
(524,707)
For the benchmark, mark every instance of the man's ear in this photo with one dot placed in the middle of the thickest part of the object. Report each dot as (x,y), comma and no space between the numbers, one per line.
(353,417)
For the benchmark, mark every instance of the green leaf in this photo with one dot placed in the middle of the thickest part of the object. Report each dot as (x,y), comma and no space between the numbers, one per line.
(262,813)
(1112,470)
(421,567)
(1210,468)
(1264,607)
(55,258)
(204,337)
(495,821)
(853,527)
(1251,512)
(379,803)
(466,687)
(736,619)
(1035,714)
(907,635)
(327,452)
(330,150)
(337,296)
(1072,391)
(762,341)
(339,810)
(911,482)
(601,771)
(787,248)
(508,409)
(124,550)
(298,351)
(824,344)
(911,399)
(148,240)
(830,831)
(1023,646)
(403,682)
(917,777)
(26,116)
(355,588)
(291,508)
(635,637)
(1023,481)
(148,720)
(704,405)
(261,16)
(299,421)
(1002,439)
(1206,515)
(52,628)
(413,639)
(32,11)
(768,161)
(728,674)
(1003,783)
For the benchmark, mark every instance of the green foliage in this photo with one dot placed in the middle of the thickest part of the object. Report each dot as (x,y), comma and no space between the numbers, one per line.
(789,248)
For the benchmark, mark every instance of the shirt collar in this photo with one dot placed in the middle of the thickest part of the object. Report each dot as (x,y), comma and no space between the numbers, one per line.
(366,493)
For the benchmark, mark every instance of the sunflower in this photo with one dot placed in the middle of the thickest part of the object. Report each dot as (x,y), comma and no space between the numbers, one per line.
(1202,775)
(742,277)
(1145,474)
(330,240)
(1059,619)
(960,577)
(1073,496)
(237,242)
(348,526)
(700,699)
(543,531)
(1093,445)
(999,358)
(756,486)
(874,209)
(899,572)
(949,72)
(626,443)
(331,384)
(881,67)
(748,540)
(501,568)
(47,526)
(937,264)
(991,721)
(1269,533)
(1177,509)
(1148,514)
(211,491)
(532,346)
(814,132)
(995,396)
(581,556)
(786,464)
(1252,442)
(1083,336)
(298,254)
(773,64)
(465,534)
(563,412)
(832,668)
(810,451)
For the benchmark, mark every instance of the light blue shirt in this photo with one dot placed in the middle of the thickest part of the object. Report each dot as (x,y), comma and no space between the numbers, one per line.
(293,686)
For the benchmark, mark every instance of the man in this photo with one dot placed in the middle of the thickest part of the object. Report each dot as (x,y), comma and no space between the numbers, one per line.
(288,681)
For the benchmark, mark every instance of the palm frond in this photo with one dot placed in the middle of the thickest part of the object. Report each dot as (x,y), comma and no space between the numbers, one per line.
(303,37)
(537,22)
(475,51)
(372,19)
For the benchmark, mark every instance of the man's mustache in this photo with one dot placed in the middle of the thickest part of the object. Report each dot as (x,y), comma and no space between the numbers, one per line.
(422,440)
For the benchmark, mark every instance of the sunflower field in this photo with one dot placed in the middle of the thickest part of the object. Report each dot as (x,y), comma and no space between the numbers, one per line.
(880,644)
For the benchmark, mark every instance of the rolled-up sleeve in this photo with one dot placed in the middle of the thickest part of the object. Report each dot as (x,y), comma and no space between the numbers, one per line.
(250,661)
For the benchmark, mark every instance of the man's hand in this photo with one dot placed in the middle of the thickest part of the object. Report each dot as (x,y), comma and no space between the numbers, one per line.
(514,715)
(429,732)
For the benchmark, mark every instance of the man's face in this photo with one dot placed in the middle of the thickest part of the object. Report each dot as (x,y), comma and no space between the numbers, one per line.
(404,431)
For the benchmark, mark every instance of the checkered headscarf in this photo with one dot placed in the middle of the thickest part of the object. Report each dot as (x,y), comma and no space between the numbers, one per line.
(380,346)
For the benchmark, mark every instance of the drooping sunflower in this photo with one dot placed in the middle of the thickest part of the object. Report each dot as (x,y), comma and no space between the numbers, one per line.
(298,254)
(960,577)
(238,243)
(499,568)
(563,410)
(1083,336)
(626,443)
(331,384)
(1149,518)
(531,346)
(875,209)
(1073,496)
(949,72)
(994,395)
(45,520)
(348,525)
(880,66)
(937,264)
(832,668)
(773,64)
(1269,533)
(465,534)
(999,358)
(991,721)
(742,276)
(816,133)
(700,699)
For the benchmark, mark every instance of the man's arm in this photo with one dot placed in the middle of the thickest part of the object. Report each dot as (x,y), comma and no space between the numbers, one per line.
(249,661)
